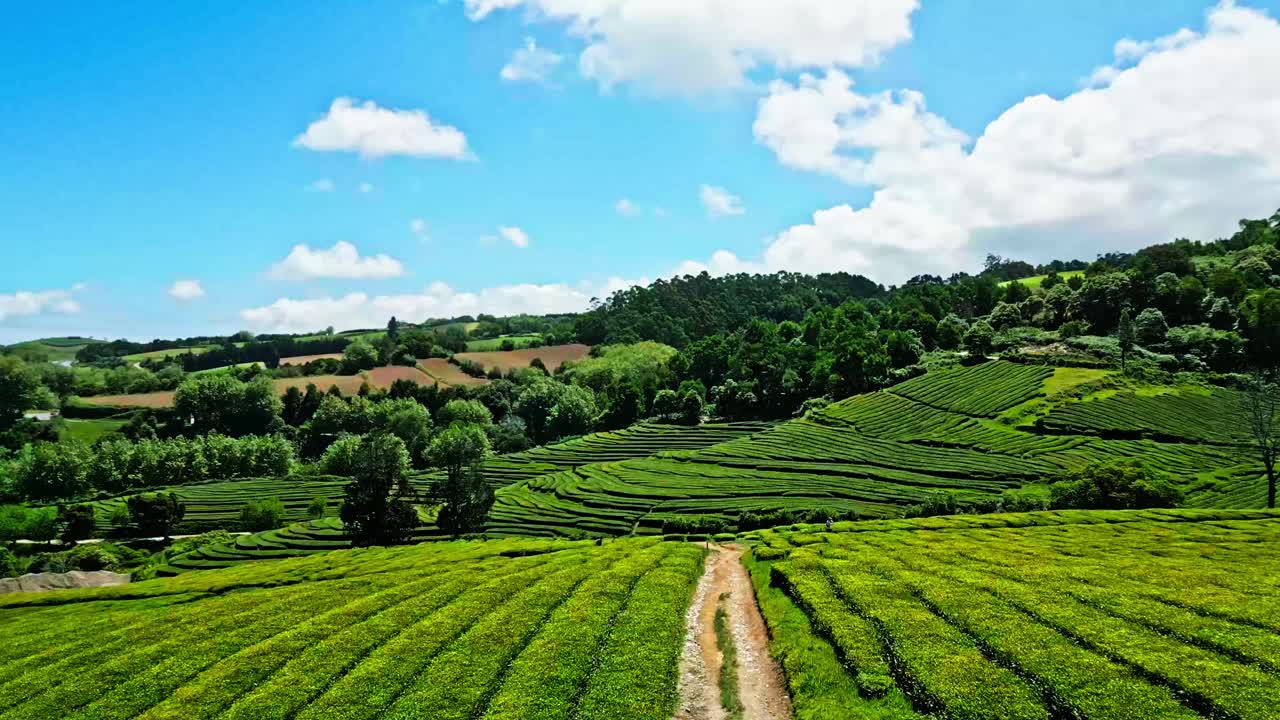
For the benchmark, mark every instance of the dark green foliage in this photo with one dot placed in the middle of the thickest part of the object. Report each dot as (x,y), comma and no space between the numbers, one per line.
(1123,485)
(374,510)
(10,566)
(20,390)
(220,403)
(264,514)
(691,408)
(978,340)
(680,310)
(465,501)
(156,515)
(77,521)
(1126,336)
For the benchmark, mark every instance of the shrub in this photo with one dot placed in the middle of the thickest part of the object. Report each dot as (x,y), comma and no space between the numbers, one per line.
(1073,328)
(265,514)
(1150,327)
(156,514)
(1115,486)
(10,565)
(77,521)
(951,330)
(316,508)
(978,339)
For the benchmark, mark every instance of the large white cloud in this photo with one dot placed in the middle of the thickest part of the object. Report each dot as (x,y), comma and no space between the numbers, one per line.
(342,261)
(438,300)
(37,302)
(374,132)
(699,45)
(1179,138)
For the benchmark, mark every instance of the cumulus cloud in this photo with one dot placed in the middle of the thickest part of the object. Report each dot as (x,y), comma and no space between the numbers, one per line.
(186,290)
(691,46)
(514,235)
(342,261)
(375,132)
(626,208)
(1181,139)
(530,63)
(322,185)
(719,202)
(437,300)
(38,302)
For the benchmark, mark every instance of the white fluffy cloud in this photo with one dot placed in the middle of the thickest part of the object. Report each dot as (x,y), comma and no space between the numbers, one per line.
(186,290)
(1181,138)
(699,45)
(437,300)
(374,132)
(530,63)
(341,261)
(719,202)
(514,235)
(28,302)
(322,185)
(626,208)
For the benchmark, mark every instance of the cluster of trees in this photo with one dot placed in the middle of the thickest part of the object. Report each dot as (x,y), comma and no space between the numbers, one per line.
(49,472)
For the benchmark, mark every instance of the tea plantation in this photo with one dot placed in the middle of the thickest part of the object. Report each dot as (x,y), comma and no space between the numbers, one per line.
(973,432)
(500,629)
(1075,614)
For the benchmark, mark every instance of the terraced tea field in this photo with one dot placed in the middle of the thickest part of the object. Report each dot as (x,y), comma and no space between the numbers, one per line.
(1081,614)
(970,431)
(501,629)
(218,505)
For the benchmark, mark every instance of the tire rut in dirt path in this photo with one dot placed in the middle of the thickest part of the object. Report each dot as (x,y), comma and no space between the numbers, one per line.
(761,687)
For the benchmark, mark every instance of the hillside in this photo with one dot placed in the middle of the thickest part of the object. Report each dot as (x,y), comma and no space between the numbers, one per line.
(972,432)
(1157,614)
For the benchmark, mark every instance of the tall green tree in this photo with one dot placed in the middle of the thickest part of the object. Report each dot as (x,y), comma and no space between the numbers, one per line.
(156,515)
(20,390)
(1126,335)
(1262,403)
(375,510)
(463,493)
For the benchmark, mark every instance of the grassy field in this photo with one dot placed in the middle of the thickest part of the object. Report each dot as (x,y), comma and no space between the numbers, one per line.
(304,359)
(58,349)
(499,629)
(228,368)
(446,373)
(552,356)
(1034,281)
(381,377)
(1078,614)
(161,354)
(89,431)
(971,432)
(490,344)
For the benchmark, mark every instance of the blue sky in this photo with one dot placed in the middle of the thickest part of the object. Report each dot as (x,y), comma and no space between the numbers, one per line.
(145,144)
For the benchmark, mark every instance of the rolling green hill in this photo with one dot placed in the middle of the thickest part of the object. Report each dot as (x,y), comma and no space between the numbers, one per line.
(973,432)
(56,349)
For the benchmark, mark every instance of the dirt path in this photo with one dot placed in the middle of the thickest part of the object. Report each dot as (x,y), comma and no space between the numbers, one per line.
(761,687)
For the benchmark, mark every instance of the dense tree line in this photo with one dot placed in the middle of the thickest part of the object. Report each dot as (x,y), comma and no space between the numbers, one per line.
(676,311)
(48,472)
